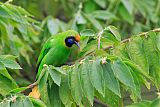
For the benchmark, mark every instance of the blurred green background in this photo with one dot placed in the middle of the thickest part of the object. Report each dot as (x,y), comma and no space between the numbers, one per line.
(130,16)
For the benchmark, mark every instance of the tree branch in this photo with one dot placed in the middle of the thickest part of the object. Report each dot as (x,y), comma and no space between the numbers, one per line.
(99,103)
(128,39)
(32,85)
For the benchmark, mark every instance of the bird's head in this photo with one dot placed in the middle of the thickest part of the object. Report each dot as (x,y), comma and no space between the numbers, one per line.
(72,38)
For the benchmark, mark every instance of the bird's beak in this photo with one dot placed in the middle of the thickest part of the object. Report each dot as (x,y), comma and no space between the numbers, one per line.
(77,43)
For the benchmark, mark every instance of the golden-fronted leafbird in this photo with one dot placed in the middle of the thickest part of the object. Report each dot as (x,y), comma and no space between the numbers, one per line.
(56,51)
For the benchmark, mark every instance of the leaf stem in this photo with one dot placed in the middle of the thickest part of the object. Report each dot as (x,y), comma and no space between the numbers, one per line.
(99,38)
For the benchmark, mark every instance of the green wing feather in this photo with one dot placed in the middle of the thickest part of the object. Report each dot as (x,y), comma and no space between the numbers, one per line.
(42,54)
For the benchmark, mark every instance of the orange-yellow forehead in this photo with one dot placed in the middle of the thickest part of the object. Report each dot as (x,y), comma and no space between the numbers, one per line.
(77,38)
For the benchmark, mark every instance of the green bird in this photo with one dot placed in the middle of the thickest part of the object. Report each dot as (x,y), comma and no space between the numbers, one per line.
(57,49)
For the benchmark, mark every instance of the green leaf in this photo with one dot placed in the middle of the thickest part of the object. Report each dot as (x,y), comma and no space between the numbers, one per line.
(56,76)
(37,102)
(128,5)
(123,74)
(53,93)
(5,33)
(108,39)
(18,90)
(11,57)
(110,81)
(52,26)
(120,50)
(137,92)
(140,104)
(89,6)
(10,63)
(14,13)
(139,72)
(58,69)
(27,102)
(44,93)
(158,41)
(136,53)
(24,31)
(62,25)
(3,12)
(114,31)
(126,15)
(142,6)
(73,25)
(6,84)
(87,32)
(86,83)
(65,93)
(155,103)
(41,74)
(22,11)
(84,42)
(101,3)
(18,103)
(152,54)
(96,74)
(6,104)
(110,99)
(5,73)
(91,47)
(80,19)
(76,88)
(43,80)
(93,21)
(1,104)
(2,65)
(103,15)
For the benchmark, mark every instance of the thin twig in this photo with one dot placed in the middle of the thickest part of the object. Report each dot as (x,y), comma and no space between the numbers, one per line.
(125,40)
(144,33)
(32,85)
(100,103)
(107,47)
(99,38)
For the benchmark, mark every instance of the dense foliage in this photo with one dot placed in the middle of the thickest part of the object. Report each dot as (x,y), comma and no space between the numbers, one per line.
(130,16)
(108,66)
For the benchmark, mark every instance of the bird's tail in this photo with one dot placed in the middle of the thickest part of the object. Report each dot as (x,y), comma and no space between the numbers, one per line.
(35,92)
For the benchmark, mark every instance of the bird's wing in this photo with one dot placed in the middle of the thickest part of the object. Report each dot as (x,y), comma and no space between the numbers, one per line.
(47,46)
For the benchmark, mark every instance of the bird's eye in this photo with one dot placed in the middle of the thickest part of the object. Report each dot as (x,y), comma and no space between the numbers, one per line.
(69,41)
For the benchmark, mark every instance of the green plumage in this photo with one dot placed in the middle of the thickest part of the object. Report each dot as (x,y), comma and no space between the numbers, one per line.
(54,51)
